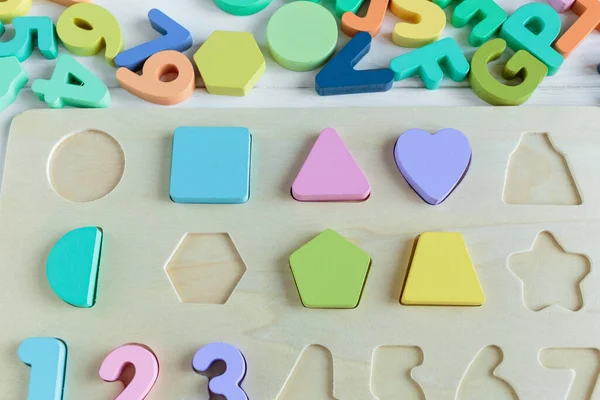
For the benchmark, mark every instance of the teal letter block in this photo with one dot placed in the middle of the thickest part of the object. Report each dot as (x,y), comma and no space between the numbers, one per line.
(431,62)
(487,16)
(534,27)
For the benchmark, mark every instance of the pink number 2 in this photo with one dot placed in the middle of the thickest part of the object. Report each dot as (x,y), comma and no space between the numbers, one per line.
(228,384)
(146,370)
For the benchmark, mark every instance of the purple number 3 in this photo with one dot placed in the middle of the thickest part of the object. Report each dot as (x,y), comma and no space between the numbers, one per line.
(228,384)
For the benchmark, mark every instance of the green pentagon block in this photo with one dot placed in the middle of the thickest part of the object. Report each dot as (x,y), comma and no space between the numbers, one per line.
(330,271)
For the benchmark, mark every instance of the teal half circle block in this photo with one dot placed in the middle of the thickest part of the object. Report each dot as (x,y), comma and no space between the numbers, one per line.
(72,266)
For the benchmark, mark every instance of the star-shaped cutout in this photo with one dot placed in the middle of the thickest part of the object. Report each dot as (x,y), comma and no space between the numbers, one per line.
(550,275)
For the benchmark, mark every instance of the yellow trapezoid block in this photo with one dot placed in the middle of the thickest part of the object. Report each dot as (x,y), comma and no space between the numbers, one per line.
(441,273)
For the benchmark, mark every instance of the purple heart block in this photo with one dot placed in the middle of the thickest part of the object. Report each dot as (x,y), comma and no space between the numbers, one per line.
(433,165)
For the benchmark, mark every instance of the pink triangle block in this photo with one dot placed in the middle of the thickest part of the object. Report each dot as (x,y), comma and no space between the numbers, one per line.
(330,173)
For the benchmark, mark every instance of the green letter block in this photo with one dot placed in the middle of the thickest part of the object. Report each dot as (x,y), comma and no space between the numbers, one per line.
(72,85)
(12,79)
(431,61)
(496,93)
(534,27)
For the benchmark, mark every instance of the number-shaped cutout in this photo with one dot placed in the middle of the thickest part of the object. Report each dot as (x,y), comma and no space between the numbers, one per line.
(146,370)
(150,86)
(227,384)
(47,357)
(10,9)
(86,28)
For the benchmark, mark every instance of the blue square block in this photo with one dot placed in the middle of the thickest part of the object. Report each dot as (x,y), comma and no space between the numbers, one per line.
(211,165)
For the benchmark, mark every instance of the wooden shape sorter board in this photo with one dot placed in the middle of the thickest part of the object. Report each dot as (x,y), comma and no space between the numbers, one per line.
(136,301)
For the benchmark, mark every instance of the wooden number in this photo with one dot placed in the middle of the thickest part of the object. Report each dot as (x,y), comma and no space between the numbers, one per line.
(228,384)
(68,3)
(10,9)
(146,370)
(149,85)
(72,85)
(85,29)
(12,79)
(47,357)
(174,37)
(30,32)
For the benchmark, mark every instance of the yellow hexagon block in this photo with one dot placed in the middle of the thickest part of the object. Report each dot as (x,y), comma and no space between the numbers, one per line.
(230,63)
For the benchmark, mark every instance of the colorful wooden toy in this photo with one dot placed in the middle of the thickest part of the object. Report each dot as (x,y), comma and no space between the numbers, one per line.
(85,29)
(561,5)
(302,35)
(433,165)
(486,16)
(427,63)
(227,385)
(534,27)
(175,37)
(69,3)
(230,63)
(47,357)
(441,273)
(12,79)
(242,7)
(211,165)
(72,266)
(338,76)
(344,6)
(10,9)
(149,85)
(330,173)
(523,64)
(146,370)
(72,85)
(370,23)
(589,19)
(330,271)
(30,31)
(139,301)
(424,24)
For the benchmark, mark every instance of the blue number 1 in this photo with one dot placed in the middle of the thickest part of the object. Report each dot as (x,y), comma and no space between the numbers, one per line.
(47,358)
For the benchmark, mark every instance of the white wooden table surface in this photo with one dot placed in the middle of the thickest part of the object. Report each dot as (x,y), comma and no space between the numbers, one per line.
(577,82)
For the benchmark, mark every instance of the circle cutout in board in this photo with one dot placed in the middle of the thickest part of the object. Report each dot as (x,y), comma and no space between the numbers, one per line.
(86,166)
